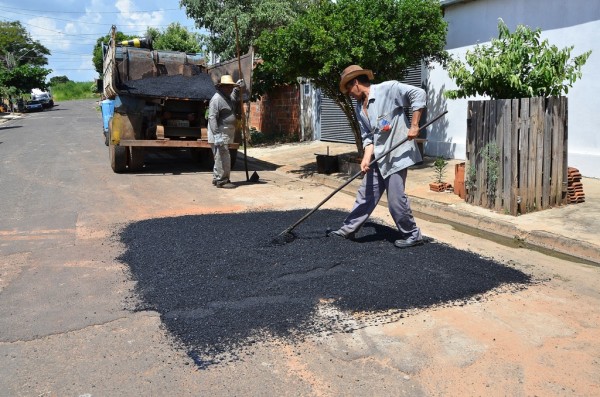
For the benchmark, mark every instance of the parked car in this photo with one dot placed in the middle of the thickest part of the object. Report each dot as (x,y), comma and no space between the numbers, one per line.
(34,106)
(45,98)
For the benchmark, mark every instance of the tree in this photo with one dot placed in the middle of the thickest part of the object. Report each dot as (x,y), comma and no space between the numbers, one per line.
(21,60)
(24,78)
(175,38)
(254,17)
(386,36)
(59,80)
(515,65)
(18,48)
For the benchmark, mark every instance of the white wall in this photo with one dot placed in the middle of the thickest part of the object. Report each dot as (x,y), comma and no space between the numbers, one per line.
(564,23)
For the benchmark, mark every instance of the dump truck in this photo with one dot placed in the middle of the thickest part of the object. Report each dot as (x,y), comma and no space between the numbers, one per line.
(158,100)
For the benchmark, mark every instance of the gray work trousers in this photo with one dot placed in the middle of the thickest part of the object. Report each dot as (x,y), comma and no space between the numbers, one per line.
(222,167)
(370,192)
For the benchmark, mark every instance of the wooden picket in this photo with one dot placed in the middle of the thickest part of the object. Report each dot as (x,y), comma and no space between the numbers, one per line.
(521,146)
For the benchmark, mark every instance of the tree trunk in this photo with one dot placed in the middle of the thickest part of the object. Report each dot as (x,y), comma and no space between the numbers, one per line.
(331,89)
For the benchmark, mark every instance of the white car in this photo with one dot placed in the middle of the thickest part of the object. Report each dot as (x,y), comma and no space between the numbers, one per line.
(45,98)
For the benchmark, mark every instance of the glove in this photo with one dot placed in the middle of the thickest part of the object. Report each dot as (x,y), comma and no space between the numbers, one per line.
(219,139)
(241,83)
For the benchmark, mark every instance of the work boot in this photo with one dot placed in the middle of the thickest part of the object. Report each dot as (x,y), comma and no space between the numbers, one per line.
(409,242)
(225,185)
(340,234)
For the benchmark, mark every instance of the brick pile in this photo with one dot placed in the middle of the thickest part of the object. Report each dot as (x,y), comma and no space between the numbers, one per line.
(574,186)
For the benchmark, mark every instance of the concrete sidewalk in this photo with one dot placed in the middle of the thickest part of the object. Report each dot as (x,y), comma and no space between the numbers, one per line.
(572,230)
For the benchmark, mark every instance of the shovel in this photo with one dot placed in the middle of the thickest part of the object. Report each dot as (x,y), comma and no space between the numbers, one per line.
(287,236)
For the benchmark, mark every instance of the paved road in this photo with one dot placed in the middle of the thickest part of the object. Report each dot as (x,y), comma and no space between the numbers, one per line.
(70,322)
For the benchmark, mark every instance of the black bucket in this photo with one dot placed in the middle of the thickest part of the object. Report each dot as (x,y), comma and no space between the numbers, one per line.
(327,164)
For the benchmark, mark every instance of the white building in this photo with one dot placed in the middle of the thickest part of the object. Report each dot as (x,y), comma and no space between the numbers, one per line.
(564,23)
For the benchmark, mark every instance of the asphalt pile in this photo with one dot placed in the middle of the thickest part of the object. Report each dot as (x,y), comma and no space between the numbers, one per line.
(221,285)
(196,87)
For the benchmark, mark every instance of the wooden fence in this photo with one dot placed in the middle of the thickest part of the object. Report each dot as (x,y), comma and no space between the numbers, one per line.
(517,154)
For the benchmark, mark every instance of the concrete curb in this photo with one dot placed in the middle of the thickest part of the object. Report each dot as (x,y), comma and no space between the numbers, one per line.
(537,240)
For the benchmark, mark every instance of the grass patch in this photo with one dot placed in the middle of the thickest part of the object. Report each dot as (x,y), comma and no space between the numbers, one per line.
(74,90)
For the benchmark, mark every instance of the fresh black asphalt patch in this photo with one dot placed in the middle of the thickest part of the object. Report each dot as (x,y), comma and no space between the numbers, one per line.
(221,285)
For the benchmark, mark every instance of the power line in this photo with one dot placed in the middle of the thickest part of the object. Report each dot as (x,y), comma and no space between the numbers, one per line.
(71,20)
(85,12)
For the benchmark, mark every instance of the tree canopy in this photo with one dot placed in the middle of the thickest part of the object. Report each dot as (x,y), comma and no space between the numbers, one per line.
(175,38)
(22,60)
(386,36)
(253,17)
(515,65)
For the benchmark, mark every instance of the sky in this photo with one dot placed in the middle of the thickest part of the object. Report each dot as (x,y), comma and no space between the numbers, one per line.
(70,28)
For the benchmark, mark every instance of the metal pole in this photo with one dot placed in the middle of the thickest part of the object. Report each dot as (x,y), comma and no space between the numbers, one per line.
(237,44)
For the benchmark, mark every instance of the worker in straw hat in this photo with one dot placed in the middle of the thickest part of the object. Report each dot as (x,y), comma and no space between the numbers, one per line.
(381,111)
(221,128)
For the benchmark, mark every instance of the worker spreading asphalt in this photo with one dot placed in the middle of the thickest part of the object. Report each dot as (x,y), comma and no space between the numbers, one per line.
(220,285)
(197,87)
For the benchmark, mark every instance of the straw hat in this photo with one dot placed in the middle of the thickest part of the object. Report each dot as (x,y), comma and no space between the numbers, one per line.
(226,80)
(351,72)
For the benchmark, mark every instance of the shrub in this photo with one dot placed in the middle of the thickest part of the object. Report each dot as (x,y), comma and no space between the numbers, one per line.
(515,65)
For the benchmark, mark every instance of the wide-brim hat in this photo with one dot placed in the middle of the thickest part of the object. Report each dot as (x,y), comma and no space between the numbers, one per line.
(226,80)
(351,72)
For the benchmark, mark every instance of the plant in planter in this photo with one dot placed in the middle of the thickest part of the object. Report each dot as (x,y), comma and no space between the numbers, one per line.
(525,78)
(439,169)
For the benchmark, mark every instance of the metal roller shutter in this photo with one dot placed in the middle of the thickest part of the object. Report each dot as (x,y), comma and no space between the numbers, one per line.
(334,124)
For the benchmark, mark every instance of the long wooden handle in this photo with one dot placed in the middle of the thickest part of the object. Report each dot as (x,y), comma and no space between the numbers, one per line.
(241,76)
(289,229)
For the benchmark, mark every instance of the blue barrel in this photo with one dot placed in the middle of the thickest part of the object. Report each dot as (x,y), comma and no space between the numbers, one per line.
(108,109)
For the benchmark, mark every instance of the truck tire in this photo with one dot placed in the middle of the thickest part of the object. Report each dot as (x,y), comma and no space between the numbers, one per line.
(136,158)
(233,154)
(203,157)
(118,158)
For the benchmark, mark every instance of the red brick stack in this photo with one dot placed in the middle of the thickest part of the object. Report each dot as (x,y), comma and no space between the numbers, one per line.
(574,186)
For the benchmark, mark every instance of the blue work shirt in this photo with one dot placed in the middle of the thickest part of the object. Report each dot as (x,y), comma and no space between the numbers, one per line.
(387,123)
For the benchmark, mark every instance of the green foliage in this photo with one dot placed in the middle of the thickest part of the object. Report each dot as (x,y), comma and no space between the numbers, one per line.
(21,60)
(73,90)
(175,38)
(491,155)
(258,138)
(253,17)
(58,79)
(17,48)
(386,36)
(516,65)
(24,78)
(471,177)
(439,169)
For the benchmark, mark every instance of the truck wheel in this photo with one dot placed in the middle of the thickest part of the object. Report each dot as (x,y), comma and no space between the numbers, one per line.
(118,158)
(204,158)
(136,158)
(233,154)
